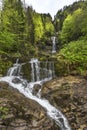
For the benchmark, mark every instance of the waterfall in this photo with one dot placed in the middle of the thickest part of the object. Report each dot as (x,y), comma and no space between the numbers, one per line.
(27,88)
(53,44)
(32,70)
(35,72)
(41,70)
(17,60)
(37,65)
(15,70)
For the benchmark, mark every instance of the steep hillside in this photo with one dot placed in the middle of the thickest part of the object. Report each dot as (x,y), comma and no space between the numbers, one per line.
(71,26)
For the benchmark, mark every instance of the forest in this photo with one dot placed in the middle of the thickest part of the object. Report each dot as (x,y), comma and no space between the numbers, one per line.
(25,33)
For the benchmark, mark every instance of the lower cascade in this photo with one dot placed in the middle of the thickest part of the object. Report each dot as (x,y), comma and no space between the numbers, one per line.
(40,73)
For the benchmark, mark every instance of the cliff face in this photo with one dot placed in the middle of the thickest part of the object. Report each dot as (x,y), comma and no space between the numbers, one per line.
(19,113)
(69,94)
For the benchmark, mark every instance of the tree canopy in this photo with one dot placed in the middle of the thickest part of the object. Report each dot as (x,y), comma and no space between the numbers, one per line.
(21,27)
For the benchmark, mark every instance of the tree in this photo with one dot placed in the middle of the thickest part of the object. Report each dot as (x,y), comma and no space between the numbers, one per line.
(73,57)
(71,29)
(13,21)
(30,25)
(38,26)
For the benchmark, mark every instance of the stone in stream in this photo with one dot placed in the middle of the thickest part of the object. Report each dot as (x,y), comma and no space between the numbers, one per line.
(36,89)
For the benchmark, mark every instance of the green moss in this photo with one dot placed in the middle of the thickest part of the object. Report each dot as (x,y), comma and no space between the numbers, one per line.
(4,65)
(3,112)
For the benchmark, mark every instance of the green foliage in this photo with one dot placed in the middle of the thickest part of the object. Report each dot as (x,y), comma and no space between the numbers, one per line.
(43,26)
(63,13)
(74,57)
(13,23)
(3,112)
(30,50)
(7,42)
(71,28)
(29,26)
(71,22)
(4,65)
(38,27)
(49,28)
(19,27)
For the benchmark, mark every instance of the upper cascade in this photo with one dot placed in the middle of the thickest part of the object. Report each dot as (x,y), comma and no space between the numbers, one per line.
(53,44)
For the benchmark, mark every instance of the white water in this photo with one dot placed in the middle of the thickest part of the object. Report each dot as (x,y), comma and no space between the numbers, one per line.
(39,72)
(52,112)
(53,44)
(35,66)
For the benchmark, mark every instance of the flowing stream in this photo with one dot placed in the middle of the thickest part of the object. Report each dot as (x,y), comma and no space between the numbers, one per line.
(25,87)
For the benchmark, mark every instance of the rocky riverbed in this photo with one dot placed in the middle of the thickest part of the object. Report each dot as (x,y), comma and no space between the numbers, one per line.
(68,94)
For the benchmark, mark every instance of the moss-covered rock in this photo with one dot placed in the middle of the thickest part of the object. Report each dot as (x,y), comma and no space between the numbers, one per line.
(4,66)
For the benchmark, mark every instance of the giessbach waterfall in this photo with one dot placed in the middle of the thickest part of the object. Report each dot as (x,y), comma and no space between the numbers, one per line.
(40,73)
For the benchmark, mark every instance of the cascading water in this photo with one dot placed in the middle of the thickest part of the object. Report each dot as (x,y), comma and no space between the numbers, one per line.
(32,72)
(38,72)
(15,70)
(35,66)
(27,89)
(54,44)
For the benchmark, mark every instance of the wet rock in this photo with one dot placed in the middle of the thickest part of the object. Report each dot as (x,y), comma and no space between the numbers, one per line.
(2,127)
(36,89)
(16,80)
(26,71)
(20,113)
